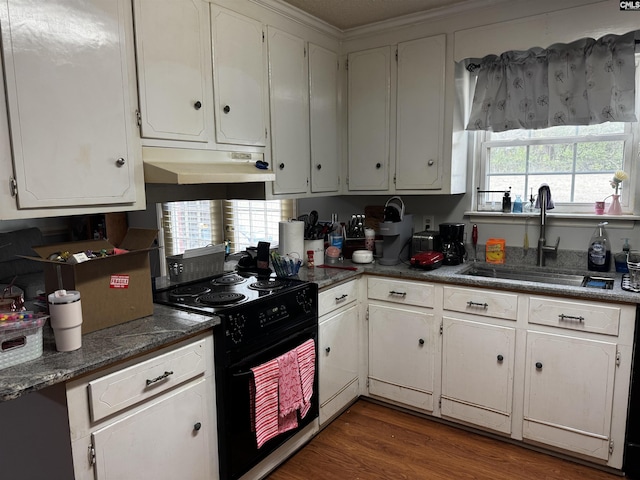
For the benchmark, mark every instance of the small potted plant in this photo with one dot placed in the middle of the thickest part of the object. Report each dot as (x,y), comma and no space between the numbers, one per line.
(616,182)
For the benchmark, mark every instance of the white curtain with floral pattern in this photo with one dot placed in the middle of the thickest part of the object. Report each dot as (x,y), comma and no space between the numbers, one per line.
(582,83)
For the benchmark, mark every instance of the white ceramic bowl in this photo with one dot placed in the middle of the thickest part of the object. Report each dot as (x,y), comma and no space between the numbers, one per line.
(362,256)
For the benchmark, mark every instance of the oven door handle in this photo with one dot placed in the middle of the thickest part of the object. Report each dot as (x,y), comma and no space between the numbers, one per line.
(242,374)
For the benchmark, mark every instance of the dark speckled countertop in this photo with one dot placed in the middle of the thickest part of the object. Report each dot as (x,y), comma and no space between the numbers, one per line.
(100,348)
(167,325)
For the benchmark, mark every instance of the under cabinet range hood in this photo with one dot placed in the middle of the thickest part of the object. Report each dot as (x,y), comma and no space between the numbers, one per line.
(180,166)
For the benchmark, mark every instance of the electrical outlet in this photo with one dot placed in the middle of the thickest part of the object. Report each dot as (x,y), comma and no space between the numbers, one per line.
(428,221)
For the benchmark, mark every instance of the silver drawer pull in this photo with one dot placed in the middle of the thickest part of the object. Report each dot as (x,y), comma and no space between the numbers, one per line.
(400,294)
(476,304)
(158,378)
(564,317)
(340,299)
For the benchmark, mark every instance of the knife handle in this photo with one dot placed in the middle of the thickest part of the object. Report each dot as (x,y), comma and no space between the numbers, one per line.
(474,234)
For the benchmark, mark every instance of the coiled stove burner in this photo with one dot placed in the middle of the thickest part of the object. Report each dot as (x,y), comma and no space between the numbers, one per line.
(221,298)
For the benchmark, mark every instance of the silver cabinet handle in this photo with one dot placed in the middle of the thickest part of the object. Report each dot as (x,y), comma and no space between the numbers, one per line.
(158,378)
(340,299)
(400,294)
(430,162)
(564,317)
(120,162)
(476,304)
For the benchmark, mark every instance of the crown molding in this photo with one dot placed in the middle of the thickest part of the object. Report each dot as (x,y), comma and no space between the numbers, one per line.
(296,15)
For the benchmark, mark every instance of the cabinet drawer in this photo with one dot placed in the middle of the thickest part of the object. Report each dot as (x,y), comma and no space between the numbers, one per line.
(111,393)
(336,297)
(401,291)
(583,316)
(481,302)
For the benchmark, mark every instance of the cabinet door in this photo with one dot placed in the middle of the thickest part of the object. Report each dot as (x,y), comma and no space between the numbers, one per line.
(167,440)
(338,361)
(477,373)
(289,101)
(569,392)
(239,78)
(323,119)
(402,353)
(369,107)
(71,116)
(420,109)
(174,68)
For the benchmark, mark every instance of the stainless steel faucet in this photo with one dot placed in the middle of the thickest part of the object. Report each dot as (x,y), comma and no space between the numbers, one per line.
(543,248)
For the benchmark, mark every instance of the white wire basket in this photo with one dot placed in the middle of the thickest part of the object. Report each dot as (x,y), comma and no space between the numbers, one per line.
(196,264)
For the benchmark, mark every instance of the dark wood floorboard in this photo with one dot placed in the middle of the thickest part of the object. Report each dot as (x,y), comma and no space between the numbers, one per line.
(371,442)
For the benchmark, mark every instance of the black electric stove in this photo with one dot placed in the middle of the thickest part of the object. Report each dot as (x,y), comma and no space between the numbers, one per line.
(261,318)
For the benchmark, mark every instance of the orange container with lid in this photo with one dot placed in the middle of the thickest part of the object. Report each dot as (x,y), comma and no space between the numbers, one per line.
(495,250)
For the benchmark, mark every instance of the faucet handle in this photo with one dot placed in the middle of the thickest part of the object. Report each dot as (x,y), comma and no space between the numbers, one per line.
(557,244)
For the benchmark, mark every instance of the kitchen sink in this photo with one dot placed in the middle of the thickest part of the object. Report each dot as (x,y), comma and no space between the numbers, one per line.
(530,274)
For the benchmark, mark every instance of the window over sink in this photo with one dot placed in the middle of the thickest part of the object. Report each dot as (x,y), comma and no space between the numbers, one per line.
(577,162)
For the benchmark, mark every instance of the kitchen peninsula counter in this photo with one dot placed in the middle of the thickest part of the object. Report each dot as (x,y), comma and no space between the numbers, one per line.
(100,349)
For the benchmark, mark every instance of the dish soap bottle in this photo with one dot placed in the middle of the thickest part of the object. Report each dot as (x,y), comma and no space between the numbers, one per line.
(620,259)
(599,253)
(517,205)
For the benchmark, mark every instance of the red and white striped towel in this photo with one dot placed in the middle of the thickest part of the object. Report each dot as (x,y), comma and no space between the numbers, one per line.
(281,387)
(265,400)
(307,364)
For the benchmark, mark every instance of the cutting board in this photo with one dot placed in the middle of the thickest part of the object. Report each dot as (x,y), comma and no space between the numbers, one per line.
(373,215)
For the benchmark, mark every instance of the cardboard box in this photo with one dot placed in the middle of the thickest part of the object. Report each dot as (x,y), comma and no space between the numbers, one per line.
(113,289)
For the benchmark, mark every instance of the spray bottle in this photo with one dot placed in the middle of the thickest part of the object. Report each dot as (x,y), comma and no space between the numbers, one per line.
(599,253)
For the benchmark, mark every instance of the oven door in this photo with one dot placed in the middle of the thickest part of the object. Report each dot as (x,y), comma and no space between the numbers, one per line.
(238,449)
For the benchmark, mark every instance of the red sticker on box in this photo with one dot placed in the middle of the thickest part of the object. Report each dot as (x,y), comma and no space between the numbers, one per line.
(119,281)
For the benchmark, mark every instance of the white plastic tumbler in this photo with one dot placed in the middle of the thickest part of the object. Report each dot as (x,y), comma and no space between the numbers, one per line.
(65,312)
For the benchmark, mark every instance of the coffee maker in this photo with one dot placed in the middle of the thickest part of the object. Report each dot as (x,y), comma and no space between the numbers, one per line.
(396,239)
(452,238)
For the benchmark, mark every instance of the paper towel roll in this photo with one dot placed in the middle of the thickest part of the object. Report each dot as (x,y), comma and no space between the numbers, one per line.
(291,238)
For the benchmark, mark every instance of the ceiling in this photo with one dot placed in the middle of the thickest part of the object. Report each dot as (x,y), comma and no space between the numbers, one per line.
(345,14)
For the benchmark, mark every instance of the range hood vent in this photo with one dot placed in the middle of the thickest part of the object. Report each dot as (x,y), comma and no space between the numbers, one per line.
(180,166)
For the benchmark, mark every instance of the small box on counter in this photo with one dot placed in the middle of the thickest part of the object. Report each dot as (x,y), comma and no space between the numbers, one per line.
(114,288)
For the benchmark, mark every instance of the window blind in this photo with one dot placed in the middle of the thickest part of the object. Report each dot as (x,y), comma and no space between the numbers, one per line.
(243,223)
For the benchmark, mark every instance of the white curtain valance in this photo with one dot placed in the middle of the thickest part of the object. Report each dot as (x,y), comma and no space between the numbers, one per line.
(582,83)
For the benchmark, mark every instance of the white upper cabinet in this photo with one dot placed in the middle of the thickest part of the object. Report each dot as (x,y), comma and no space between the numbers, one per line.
(239,78)
(174,69)
(323,119)
(71,102)
(396,119)
(420,113)
(289,102)
(369,92)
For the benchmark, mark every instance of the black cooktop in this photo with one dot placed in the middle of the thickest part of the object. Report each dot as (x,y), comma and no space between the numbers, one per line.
(217,294)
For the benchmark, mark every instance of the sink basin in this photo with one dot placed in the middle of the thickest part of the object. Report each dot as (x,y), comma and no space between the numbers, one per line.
(538,276)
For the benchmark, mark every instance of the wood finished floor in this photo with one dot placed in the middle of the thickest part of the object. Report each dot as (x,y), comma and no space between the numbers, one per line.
(370,442)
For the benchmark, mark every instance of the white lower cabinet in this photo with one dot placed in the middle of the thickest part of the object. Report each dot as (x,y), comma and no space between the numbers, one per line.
(477,373)
(338,362)
(549,371)
(339,334)
(161,441)
(153,417)
(402,351)
(568,396)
